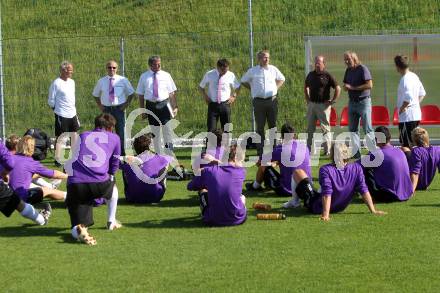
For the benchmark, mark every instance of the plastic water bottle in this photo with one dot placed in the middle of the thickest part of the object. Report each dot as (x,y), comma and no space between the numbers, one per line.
(271,216)
(262,206)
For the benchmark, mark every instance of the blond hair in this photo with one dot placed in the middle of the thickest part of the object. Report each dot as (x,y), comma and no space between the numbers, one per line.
(353,56)
(26,146)
(420,137)
(340,154)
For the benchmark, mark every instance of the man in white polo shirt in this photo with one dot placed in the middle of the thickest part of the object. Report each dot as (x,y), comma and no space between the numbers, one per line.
(410,94)
(223,88)
(264,81)
(113,93)
(157,93)
(62,101)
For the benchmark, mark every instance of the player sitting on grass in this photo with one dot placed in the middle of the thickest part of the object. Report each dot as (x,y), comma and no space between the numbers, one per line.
(213,151)
(389,181)
(424,159)
(153,166)
(339,182)
(293,158)
(91,175)
(220,186)
(11,143)
(20,177)
(10,201)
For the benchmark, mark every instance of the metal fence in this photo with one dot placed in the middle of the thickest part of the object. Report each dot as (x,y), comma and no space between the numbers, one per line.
(31,64)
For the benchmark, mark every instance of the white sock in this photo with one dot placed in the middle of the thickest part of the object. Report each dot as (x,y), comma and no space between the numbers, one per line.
(294,195)
(30,213)
(112,205)
(75,232)
(65,195)
(256,185)
(41,182)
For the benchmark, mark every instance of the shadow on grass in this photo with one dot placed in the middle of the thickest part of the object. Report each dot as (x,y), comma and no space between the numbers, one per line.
(190,201)
(30,230)
(429,205)
(186,222)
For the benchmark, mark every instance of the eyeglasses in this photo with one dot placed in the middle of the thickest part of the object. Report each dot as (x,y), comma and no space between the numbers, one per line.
(111,67)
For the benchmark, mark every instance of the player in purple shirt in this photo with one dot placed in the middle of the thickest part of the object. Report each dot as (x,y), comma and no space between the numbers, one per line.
(339,181)
(91,175)
(154,166)
(20,177)
(424,159)
(390,180)
(295,174)
(220,187)
(10,201)
(213,151)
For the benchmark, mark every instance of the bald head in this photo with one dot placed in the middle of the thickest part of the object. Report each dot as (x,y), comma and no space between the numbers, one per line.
(319,63)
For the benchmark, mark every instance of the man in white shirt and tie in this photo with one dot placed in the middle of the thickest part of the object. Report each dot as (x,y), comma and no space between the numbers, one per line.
(264,81)
(113,94)
(223,88)
(157,93)
(62,101)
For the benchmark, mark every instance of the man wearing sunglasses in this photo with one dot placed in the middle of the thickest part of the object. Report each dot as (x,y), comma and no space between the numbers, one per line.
(113,93)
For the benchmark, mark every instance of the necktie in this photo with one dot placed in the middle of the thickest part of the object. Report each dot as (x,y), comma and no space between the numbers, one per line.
(155,86)
(111,90)
(219,90)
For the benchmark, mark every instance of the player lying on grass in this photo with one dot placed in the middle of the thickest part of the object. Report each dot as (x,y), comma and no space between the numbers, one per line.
(91,175)
(390,180)
(146,183)
(424,159)
(339,182)
(293,159)
(10,201)
(220,186)
(20,177)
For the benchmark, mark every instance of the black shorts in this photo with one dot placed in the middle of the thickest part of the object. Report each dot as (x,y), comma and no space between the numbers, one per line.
(35,195)
(8,200)
(66,124)
(79,200)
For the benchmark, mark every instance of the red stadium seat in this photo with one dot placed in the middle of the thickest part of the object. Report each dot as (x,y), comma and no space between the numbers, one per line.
(396,116)
(380,116)
(344,117)
(430,115)
(333,118)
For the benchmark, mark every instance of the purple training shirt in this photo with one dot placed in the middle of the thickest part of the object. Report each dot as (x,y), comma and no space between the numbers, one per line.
(341,185)
(6,158)
(96,159)
(299,158)
(393,173)
(224,184)
(20,177)
(424,161)
(138,191)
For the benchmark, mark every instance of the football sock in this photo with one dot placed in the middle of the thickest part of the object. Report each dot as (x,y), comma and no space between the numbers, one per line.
(41,182)
(112,205)
(30,213)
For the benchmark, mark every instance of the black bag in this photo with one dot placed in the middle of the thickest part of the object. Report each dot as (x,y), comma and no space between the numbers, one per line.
(42,143)
(180,173)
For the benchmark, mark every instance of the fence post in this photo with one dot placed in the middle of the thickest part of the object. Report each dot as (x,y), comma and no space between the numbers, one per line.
(121,56)
(2,97)
(251,52)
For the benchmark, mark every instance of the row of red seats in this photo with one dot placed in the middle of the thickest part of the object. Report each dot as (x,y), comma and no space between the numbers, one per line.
(381,116)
